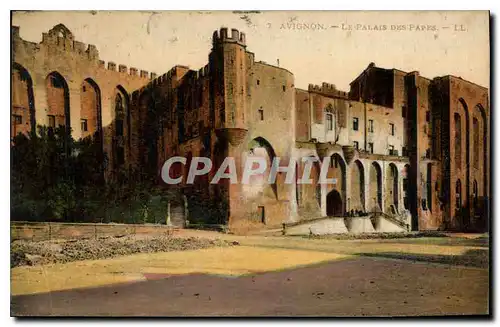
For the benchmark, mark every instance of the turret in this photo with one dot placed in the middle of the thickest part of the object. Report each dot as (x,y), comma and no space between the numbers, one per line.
(111,66)
(223,36)
(228,64)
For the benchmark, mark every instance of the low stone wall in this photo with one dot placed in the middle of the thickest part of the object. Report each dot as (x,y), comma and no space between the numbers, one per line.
(319,227)
(343,225)
(41,231)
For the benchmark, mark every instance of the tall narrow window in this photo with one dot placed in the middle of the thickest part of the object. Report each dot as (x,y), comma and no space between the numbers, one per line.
(262,214)
(391,150)
(355,123)
(356,145)
(334,162)
(84,125)
(261,114)
(329,122)
(370,126)
(458,141)
(391,128)
(458,195)
(475,146)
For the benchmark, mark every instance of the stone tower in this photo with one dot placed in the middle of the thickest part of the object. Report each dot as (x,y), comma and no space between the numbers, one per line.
(229,84)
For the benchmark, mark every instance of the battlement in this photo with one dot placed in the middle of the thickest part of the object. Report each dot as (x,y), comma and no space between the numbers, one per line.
(202,72)
(111,66)
(223,36)
(60,37)
(176,72)
(132,71)
(328,90)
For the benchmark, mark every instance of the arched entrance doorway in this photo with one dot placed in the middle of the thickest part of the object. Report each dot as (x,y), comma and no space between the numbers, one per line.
(258,184)
(334,204)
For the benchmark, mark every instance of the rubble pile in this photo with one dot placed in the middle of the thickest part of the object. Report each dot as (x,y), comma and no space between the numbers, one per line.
(45,252)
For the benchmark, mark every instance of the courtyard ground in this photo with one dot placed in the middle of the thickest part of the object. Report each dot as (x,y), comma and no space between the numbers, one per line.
(268,276)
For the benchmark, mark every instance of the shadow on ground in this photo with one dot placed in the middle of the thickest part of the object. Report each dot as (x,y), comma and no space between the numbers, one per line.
(482,241)
(358,287)
(471,258)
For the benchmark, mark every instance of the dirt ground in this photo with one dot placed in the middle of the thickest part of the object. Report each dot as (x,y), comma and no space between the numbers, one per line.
(268,276)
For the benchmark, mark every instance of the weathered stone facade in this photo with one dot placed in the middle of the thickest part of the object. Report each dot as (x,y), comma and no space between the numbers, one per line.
(398,142)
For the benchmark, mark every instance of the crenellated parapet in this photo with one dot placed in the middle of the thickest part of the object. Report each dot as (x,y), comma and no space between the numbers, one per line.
(60,39)
(202,72)
(123,69)
(328,90)
(226,36)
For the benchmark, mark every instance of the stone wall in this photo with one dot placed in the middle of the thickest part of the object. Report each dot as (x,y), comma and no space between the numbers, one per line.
(52,231)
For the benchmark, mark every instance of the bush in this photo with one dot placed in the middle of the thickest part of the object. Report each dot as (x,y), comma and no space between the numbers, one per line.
(55,178)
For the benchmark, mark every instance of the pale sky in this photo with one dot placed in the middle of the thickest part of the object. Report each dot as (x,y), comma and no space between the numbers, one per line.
(315,46)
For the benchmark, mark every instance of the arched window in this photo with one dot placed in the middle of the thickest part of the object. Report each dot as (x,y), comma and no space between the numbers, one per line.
(58,109)
(23,101)
(90,108)
(119,114)
(121,143)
